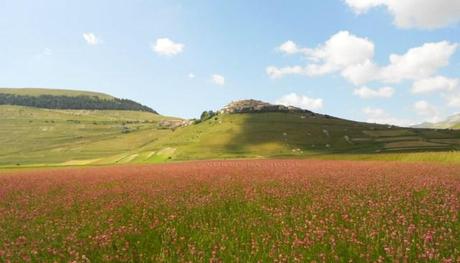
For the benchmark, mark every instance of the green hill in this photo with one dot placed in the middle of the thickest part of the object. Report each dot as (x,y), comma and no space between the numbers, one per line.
(67,99)
(49,136)
(54,92)
(452,122)
(245,129)
(278,134)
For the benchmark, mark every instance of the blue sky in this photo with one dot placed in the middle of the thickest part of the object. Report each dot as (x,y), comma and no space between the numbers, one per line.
(337,61)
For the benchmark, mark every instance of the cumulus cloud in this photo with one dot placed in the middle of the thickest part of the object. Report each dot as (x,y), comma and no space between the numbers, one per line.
(453,100)
(300,101)
(424,108)
(289,47)
(361,73)
(275,72)
(191,75)
(167,47)
(419,62)
(368,93)
(427,110)
(342,50)
(218,79)
(377,115)
(438,83)
(353,58)
(91,39)
(426,14)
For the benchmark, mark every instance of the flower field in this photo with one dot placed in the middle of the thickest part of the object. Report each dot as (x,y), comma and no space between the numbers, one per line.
(233,211)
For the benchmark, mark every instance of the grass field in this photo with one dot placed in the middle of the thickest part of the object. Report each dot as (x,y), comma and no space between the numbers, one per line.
(41,137)
(31,136)
(233,211)
(53,92)
(281,135)
(399,203)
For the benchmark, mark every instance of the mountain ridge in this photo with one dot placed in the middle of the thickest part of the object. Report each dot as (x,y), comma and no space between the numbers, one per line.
(54,92)
(451,122)
(67,99)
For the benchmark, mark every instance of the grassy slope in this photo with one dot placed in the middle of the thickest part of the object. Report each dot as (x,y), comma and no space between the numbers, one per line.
(53,92)
(31,136)
(453,122)
(43,136)
(282,135)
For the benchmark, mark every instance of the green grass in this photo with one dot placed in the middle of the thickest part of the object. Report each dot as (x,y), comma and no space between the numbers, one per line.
(271,135)
(233,212)
(41,137)
(53,92)
(31,136)
(425,157)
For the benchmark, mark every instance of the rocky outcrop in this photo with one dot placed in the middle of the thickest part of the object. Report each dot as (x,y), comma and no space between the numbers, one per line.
(174,124)
(254,106)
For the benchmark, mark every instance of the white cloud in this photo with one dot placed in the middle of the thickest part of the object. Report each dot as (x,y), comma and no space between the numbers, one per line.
(368,93)
(438,83)
(418,63)
(424,108)
(167,47)
(274,72)
(191,75)
(341,51)
(91,39)
(218,79)
(453,100)
(300,101)
(377,115)
(427,110)
(362,6)
(361,73)
(289,47)
(426,14)
(353,58)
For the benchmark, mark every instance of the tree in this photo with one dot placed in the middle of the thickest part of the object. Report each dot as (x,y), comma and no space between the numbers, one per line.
(206,115)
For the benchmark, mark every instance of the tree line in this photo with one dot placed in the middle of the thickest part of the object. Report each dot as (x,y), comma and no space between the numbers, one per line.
(82,102)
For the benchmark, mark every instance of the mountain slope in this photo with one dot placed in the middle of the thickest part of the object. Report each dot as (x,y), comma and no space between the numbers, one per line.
(278,132)
(288,134)
(452,122)
(41,136)
(54,92)
(49,136)
(244,129)
(67,99)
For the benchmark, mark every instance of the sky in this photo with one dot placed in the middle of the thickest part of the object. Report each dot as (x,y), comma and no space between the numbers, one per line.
(384,61)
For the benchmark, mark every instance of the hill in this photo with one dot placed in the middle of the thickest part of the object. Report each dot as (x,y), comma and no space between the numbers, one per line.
(50,136)
(67,99)
(242,129)
(452,122)
(54,92)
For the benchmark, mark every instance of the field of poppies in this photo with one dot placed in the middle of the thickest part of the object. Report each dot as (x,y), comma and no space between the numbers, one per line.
(233,211)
